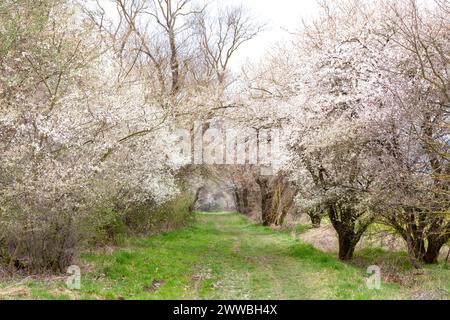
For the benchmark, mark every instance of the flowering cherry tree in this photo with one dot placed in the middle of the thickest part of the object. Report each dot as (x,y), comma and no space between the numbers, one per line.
(365,89)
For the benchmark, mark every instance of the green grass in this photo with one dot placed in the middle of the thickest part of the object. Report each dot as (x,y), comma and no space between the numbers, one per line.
(302,228)
(223,256)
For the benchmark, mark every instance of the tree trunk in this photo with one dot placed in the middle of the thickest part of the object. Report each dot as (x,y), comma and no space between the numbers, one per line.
(245,202)
(195,200)
(316,220)
(266,200)
(277,197)
(432,255)
(343,220)
(237,201)
(266,207)
(174,65)
(433,249)
(241,200)
(414,256)
(347,246)
(423,244)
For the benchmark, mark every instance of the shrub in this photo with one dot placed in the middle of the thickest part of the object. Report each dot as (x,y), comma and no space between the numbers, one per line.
(147,219)
(38,241)
(103,226)
(39,238)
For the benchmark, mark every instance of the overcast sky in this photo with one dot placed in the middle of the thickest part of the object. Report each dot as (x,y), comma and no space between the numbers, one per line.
(279,16)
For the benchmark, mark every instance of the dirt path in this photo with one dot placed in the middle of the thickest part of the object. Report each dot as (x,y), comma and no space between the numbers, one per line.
(225,256)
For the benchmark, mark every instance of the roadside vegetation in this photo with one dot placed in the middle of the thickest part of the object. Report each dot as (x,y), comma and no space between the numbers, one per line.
(225,256)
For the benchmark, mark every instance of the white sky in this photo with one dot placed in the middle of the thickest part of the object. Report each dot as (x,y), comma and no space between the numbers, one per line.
(280,15)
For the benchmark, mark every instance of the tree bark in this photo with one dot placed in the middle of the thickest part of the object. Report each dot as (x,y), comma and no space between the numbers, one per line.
(241,200)
(316,218)
(423,244)
(266,200)
(347,246)
(343,220)
(195,199)
(433,249)
(277,197)
(245,202)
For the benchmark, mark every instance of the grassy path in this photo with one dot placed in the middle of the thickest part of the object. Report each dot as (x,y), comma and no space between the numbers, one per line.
(222,256)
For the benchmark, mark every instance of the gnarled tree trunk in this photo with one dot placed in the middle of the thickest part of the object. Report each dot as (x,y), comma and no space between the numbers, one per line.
(425,233)
(315,216)
(344,219)
(347,244)
(277,196)
(241,200)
